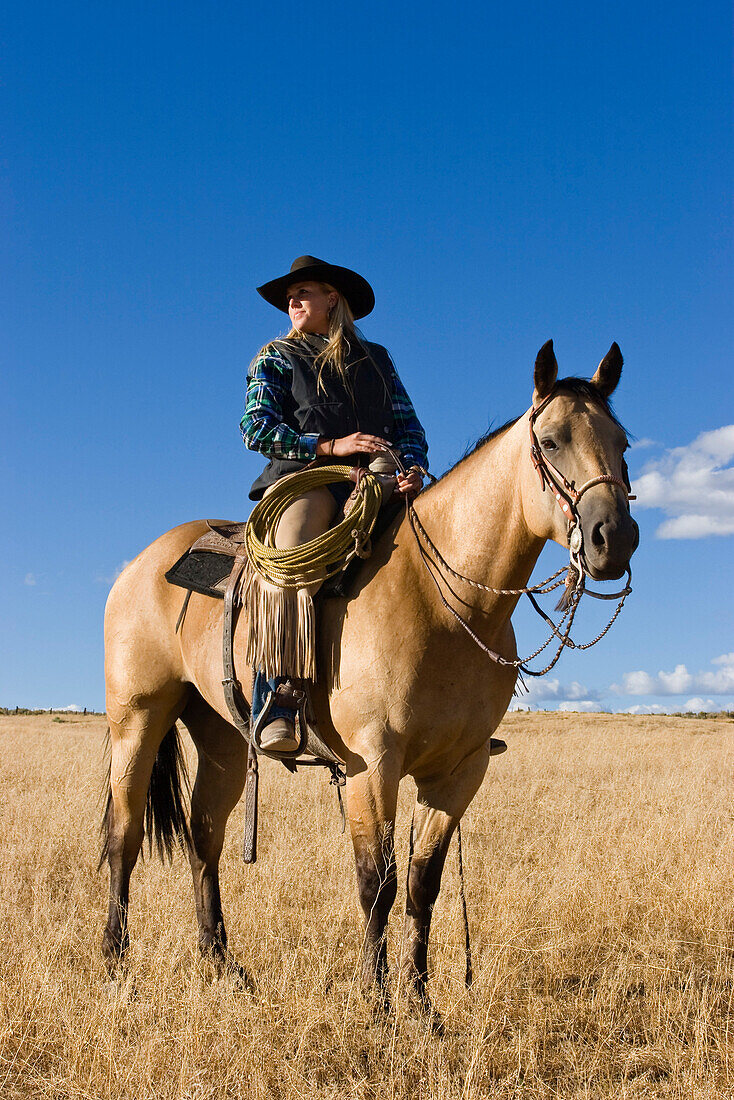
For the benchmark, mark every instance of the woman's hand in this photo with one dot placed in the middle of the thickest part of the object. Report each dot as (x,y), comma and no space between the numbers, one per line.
(407,485)
(356,443)
(410,484)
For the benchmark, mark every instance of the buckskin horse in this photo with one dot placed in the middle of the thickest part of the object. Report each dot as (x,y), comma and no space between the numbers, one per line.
(404,689)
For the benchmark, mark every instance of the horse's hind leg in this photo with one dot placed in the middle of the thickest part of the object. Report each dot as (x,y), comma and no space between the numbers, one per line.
(138,731)
(220,778)
(439,807)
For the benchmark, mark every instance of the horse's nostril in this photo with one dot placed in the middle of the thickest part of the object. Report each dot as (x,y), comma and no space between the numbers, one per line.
(612,540)
(597,536)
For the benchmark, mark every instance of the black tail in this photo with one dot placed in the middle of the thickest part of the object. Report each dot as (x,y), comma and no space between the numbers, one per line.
(166,821)
(165,809)
(106,797)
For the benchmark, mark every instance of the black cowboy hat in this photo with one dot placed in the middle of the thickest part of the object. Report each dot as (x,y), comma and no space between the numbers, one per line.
(355,289)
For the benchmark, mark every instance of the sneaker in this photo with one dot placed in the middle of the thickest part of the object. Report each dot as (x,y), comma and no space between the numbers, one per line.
(279,736)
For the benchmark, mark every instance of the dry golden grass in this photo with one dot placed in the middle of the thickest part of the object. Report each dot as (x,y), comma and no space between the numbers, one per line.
(600,883)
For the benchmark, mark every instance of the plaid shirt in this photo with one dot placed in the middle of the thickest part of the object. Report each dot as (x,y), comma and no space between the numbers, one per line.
(264,429)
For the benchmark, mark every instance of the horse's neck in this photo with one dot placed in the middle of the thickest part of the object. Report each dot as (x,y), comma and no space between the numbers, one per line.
(475,517)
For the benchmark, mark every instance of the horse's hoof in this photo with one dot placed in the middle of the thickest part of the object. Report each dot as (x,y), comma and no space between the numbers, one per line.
(238,978)
(418,1004)
(496,746)
(121,987)
(225,967)
(377,997)
(434,1020)
(117,969)
(114,950)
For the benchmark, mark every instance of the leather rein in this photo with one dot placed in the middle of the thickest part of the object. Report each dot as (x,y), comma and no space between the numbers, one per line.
(567,497)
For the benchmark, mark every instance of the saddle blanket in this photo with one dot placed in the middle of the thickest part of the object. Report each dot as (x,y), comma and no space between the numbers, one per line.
(203,571)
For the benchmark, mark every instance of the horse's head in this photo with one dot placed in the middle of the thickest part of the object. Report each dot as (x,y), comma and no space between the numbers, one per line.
(578,475)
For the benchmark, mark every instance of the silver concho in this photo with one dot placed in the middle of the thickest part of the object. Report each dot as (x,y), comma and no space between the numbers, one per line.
(575,541)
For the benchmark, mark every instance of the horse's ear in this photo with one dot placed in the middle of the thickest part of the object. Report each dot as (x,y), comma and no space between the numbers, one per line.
(609,371)
(546,372)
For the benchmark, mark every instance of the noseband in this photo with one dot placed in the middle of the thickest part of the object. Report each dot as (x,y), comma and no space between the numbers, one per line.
(566,494)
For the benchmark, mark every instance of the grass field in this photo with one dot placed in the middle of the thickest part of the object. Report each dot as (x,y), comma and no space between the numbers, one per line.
(600,885)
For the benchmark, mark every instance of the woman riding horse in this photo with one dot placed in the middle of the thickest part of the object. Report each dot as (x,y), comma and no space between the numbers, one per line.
(404,689)
(322,391)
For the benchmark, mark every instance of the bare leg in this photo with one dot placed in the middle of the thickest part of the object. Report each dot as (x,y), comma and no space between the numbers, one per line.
(305,519)
(439,808)
(371,802)
(135,738)
(220,778)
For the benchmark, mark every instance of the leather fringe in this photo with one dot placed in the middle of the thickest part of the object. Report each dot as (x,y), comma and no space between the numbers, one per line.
(572,580)
(281,633)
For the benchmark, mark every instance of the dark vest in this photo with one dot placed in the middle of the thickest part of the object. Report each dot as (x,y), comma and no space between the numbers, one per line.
(337,412)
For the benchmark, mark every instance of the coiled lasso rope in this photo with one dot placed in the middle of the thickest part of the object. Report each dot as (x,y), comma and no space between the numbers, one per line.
(325,555)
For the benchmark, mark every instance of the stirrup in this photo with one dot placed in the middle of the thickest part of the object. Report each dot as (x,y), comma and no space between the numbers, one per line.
(291,698)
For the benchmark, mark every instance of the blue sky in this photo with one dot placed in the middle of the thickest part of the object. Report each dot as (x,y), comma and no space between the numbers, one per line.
(501,175)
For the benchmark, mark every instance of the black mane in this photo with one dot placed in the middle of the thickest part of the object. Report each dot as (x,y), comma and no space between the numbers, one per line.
(581,386)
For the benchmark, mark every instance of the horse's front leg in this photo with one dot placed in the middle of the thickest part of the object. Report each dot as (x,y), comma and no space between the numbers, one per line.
(439,807)
(371,801)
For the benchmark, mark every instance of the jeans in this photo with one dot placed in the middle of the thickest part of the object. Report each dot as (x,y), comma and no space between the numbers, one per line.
(262,688)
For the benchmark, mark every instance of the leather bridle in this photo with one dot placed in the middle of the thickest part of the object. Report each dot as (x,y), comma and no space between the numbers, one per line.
(568,498)
(566,494)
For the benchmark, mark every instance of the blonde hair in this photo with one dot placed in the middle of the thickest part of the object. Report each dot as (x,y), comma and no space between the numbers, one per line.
(333,357)
(342,336)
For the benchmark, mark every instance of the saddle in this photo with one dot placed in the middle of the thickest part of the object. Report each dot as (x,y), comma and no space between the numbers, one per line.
(207,565)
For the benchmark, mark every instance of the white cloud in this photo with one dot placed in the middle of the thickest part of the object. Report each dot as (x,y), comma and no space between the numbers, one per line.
(543,690)
(644,708)
(642,444)
(581,706)
(693,706)
(676,682)
(73,708)
(30,580)
(570,698)
(635,683)
(591,706)
(693,486)
(680,681)
(697,703)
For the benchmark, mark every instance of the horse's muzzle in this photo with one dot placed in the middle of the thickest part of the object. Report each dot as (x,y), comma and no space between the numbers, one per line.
(610,540)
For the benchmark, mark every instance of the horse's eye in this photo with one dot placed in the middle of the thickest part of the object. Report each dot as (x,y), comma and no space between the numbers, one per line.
(548,445)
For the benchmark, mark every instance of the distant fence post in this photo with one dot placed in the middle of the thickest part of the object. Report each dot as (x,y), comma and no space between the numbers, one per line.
(85,710)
